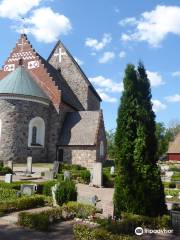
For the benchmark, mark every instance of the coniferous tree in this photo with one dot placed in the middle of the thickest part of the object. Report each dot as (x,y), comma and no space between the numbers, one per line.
(138,186)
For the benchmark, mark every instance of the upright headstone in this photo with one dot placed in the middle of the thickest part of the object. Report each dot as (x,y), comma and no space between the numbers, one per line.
(29,165)
(8,178)
(112,170)
(56,167)
(53,190)
(67,175)
(10,164)
(97,174)
(28,189)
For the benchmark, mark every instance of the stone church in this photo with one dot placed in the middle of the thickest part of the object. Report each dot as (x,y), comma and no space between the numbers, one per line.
(49,109)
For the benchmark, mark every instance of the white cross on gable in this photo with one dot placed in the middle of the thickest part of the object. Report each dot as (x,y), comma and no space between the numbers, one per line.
(60,54)
(22,44)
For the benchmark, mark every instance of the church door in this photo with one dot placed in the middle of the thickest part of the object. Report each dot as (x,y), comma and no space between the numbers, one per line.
(60,154)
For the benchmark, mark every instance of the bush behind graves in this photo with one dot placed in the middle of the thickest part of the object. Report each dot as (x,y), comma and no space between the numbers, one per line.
(79,210)
(46,187)
(22,203)
(42,220)
(5,170)
(82,176)
(66,192)
(83,232)
(7,194)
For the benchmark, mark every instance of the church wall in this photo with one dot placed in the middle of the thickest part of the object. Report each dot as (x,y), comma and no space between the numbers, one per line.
(93,101)
(75,79)
(55,125)
(15,116)
(81,155)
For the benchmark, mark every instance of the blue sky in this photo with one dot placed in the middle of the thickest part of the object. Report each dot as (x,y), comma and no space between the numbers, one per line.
(104,36)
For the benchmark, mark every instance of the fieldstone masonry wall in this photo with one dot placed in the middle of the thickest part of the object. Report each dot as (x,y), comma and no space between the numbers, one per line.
(84,156)
(15,116)
(75,78)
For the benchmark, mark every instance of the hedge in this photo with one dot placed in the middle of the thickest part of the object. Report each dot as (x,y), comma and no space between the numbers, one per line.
(43,220)
(83,232)
(22,203)
(129,222)
(7,194)
(5,170)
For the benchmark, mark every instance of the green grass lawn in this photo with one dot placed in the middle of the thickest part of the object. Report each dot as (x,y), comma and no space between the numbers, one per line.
(43,165)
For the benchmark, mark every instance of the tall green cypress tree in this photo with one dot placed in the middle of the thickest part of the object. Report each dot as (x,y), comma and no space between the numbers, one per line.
(138,186)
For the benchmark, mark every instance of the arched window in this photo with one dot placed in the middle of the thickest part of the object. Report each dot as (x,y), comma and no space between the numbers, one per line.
(101,149)
(36,135)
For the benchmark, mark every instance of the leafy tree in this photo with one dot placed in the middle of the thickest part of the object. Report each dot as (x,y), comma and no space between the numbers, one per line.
(138,186)
(164,136)
(110,144)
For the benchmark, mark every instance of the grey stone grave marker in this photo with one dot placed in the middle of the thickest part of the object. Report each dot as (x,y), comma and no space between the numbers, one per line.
(91,200)
(10,164)
(67,175)
(28,189)
(8,178)
(112,170)
(97,175)
(29,165)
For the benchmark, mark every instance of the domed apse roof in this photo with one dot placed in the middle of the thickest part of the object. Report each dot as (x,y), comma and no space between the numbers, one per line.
(20,82)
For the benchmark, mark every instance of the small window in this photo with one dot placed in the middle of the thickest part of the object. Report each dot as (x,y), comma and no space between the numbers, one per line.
(101,149)
(36,135)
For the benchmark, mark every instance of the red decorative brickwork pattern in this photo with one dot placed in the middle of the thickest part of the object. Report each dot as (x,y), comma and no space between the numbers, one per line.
(33,64)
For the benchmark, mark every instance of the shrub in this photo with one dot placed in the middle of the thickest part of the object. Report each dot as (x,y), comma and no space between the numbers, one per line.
(7,194)
(79,210)
(72,167)
(82,176)
(46,187)
(172,192)
(37,221)
(176,176)
(5,170)
(22,204)
(172,185)
(13,185)
(176,207)
(66,191)
(83,232)
(108,180)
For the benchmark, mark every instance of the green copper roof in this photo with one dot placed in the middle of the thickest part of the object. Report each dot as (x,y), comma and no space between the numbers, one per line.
(20,82)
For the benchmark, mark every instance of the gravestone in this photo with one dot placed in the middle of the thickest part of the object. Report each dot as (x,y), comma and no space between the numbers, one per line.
(52,173)
(91,200)
(29,165)
(67,175)
(175,222)
(8,178)
(28,189)
(49,175)
(10,164)
(97,174)
(53,190)
(56,167)
(112,170)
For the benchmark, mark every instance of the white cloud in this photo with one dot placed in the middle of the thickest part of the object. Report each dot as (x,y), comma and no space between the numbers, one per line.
(46,25)
(173,98)
(107,84)
(155,25)
(122,54)
(128,21)
(16,8)
(106,57)
(155,79)
(158,106)
(105,97)
(176,74)
(80,62)
(98,45)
